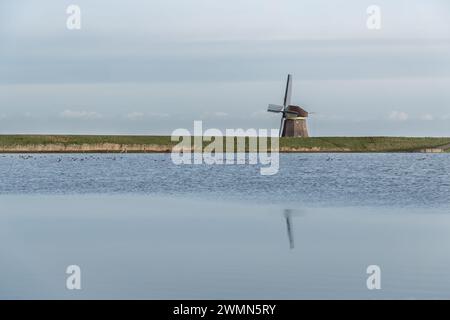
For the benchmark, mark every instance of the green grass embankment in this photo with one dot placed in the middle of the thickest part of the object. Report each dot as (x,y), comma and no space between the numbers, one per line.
(91,143)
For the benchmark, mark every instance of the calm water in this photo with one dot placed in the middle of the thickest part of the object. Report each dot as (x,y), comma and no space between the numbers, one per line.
(141,227)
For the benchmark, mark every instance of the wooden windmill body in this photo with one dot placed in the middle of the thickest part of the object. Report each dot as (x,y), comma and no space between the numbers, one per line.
(293,119)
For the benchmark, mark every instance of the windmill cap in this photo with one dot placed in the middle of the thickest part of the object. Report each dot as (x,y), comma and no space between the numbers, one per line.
(299,111)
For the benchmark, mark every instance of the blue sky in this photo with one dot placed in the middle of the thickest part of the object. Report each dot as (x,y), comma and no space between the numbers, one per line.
(149,67)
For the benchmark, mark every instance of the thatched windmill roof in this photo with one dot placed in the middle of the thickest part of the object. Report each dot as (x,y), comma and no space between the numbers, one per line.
(300,112)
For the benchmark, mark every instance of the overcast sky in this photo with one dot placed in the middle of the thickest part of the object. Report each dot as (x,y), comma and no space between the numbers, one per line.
(149,67)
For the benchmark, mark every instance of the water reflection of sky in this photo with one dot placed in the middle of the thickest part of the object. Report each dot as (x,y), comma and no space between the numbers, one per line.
(167,247)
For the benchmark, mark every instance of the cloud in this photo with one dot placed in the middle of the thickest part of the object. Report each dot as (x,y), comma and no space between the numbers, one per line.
(215,114)
(427,117)
(135,116)
(141,115)
(157,115)
(398,116)
(85,115)
(2,116)
(220,114)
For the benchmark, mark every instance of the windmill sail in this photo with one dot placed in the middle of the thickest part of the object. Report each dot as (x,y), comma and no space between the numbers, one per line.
(288,93)
(275,108)
(287,101)
(282,125)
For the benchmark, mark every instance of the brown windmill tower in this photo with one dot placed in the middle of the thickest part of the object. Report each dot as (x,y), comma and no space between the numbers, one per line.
(293,119)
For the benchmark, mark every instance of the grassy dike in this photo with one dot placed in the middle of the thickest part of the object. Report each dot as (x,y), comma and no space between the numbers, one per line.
(117,144)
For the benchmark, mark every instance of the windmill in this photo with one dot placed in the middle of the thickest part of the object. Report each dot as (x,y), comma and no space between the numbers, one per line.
(293,118)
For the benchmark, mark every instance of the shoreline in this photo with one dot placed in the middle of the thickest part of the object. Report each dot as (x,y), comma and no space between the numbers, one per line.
(163,144)
(52,149)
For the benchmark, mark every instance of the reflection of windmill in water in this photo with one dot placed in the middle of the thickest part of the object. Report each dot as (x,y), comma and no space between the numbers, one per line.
(289,226)
(293,118)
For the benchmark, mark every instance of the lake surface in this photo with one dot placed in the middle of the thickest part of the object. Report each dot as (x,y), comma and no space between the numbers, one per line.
(141,227)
